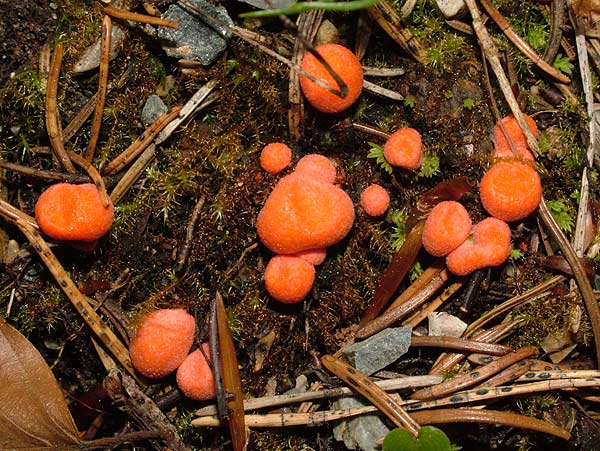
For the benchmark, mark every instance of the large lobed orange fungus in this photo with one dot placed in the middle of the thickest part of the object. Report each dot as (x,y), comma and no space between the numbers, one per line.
(304,212)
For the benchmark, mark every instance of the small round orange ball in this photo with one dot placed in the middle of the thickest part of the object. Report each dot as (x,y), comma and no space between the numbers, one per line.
(71,212)
(195,377)
(275,157)
(510,190)
(345,64)
(404,148)
(289,278)
(375,200)
(447,227)
(162,342)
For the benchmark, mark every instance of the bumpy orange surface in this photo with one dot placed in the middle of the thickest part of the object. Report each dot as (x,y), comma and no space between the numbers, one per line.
(162,342)
(304,213)
(501,145)
(73,212)
(375,200)
(275,157)
(316,166)
(289,278)
(489,246)
(404,148)
(345,64)
(313,256)
(510,190)
(195,377)
(447,227)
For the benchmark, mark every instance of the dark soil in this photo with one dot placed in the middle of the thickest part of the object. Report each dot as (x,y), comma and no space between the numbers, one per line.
(216,156)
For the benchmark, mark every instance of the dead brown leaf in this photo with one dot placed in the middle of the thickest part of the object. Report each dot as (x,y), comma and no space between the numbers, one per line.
(232,383)
(33,410)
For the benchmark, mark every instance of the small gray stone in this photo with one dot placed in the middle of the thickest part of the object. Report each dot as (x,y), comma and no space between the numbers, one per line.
(153,109)
(452,9)
(196,38)
(361,432)
(380,350)
(444,324)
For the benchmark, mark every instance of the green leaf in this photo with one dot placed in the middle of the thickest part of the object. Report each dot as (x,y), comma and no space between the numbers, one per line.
(376,152)
(415,271)
(515,254)
(430,439)
(470,103)
(410,101)
(561,212)
(398,218)
(301,7)
(563,64)
(430,166)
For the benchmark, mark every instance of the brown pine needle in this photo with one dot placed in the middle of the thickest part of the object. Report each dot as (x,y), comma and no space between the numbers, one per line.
(460,344)
(465,415)
(475,376)
(509,374)
(52,122)
(365,386)
(93,174)
(404,305)
(102,86)
(138,146)
(529,295)
(419,316)
(493,334)
(119,13)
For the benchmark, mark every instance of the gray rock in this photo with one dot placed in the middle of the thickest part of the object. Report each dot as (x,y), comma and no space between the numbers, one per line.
(452,9)
(196,38)
(153,109)
(380,350)
(361,432)
(444,324)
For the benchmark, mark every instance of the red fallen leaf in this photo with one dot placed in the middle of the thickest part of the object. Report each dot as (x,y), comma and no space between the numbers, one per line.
(33,411)
(452,189)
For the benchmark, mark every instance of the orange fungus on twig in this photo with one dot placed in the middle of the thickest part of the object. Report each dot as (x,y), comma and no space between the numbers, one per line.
(345,64)
(73,212)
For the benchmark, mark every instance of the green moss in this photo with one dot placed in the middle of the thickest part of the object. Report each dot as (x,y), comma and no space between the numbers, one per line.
(443,46)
